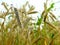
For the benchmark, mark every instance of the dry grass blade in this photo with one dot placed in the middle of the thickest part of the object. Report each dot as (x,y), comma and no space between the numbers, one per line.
(45,17)
(4,14)
(45,7)
(46,2)
(43,13)
(1,15)
(53,26)
(31,8)
(4,4)
(36,40)
(52,15)
(51,43)
(46,13)
(32,12)
(26,3)
(45,42)
(14,26)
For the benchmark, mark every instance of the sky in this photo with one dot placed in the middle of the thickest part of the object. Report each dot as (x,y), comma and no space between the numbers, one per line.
(38,4)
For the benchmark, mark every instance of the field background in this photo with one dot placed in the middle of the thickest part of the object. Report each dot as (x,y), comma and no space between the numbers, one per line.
(29,22)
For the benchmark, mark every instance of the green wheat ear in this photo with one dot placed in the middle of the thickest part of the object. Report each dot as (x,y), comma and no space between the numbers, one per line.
(51,6)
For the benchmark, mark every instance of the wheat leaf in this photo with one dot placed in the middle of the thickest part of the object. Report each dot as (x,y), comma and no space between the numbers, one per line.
(52,15)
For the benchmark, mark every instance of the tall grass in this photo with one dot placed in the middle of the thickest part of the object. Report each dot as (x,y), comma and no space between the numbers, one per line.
(21,31)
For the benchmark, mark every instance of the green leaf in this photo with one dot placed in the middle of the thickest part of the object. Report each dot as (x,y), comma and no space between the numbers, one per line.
(51,35)
(51,6)
(39,21)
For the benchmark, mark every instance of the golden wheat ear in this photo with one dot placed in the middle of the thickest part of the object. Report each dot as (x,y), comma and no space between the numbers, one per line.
(17,17)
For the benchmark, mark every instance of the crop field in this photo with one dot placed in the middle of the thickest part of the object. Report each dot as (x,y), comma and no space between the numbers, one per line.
(19,28)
